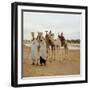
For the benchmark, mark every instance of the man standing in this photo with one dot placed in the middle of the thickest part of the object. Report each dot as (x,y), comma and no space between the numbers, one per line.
(43,52)
(62,38)
(34,49)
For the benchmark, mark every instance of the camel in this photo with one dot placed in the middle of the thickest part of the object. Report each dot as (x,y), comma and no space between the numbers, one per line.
(50,43)
(55,45)
(64,44)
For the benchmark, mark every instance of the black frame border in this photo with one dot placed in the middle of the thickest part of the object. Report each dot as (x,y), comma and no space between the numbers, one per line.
(14,43)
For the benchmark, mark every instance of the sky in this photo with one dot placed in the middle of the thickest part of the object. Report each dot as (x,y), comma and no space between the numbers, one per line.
(69,24)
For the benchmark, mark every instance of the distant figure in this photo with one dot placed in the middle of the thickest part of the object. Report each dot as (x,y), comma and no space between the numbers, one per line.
(62,38)
(43,52)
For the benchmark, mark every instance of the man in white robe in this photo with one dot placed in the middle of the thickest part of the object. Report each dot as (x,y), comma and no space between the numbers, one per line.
(34,51)
(43,53)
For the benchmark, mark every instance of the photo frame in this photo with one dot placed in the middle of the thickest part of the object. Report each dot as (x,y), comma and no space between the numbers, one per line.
(37,18)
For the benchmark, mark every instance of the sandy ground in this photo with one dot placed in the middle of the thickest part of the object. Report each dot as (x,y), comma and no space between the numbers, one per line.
(61,65)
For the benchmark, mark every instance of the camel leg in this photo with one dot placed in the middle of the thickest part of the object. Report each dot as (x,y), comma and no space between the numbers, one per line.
(66,53)
(58,53)
(61,55)
(49,52)
(54,52)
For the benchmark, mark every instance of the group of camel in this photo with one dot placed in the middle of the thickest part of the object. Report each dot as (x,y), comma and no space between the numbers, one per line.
(52,44)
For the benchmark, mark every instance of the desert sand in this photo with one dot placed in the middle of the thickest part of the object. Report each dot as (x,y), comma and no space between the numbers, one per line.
(62,64)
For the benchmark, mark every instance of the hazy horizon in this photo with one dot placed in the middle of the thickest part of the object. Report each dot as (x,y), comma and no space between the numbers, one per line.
(69,24)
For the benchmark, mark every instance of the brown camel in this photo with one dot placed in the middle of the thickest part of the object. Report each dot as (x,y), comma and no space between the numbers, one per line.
(50,43)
